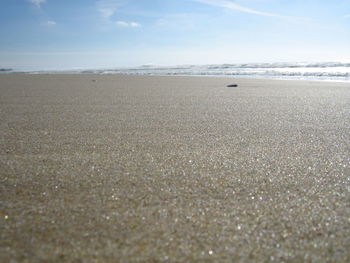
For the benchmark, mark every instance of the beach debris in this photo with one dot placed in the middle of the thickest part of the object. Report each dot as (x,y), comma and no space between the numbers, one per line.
(232,86)
(94,80)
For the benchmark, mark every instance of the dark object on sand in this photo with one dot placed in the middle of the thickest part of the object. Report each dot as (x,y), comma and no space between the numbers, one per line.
(94,80)
(5,69)
(232,86)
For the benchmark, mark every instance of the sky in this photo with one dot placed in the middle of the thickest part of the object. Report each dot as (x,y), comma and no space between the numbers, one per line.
(83,34)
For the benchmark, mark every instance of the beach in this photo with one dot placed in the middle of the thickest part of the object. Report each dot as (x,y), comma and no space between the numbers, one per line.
(116,168)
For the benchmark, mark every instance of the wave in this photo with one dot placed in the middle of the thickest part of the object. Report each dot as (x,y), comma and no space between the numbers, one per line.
(299,70)
(248,66)
(282,65)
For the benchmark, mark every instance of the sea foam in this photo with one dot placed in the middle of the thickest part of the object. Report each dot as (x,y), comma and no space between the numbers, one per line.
(335,71)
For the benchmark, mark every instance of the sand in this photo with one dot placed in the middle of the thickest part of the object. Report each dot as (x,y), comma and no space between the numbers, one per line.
(107,168)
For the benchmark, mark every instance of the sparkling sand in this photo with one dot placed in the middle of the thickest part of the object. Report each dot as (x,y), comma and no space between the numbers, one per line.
(108,168)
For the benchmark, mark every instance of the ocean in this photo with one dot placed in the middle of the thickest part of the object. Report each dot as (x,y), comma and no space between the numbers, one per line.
(328,71)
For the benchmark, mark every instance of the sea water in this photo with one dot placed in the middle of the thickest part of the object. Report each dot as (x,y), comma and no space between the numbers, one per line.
(306,71)
(334,71)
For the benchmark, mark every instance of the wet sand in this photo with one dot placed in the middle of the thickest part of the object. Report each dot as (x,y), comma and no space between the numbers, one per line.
(173,169)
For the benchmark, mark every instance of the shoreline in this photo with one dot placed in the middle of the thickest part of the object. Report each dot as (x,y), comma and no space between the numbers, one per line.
(179,75)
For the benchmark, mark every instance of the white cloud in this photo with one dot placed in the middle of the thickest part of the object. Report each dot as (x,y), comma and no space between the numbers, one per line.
(347,16)
(107,12)
(51,23)
(107,8)
(37,3)
(233,6)
(127,24)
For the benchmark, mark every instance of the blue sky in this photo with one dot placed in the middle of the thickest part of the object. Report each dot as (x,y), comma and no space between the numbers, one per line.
(67,34)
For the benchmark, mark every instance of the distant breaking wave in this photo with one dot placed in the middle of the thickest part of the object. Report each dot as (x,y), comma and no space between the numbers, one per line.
(314,71)
(310,71)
